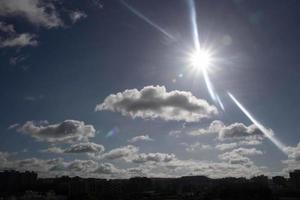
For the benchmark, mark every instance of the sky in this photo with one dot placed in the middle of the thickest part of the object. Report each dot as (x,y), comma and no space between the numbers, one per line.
(108,88)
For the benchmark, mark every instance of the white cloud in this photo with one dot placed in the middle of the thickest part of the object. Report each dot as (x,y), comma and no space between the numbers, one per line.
(126,153)
(153,102)
(149,164)
(153,157)
(108,168)
(67,131)
(239,130)
(140,138)
(38,12)
(215,127)
(19,40)
(88,147)
(13,126)
(197,146)
(75,16)
(226,146)
(239,156)
(236,131)
(56,150)
(175,133)
(293,161)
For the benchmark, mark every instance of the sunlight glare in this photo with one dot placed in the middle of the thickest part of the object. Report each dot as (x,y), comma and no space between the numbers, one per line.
(201,59)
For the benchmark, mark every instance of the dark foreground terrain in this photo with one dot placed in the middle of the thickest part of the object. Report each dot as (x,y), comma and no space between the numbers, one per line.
(27,185)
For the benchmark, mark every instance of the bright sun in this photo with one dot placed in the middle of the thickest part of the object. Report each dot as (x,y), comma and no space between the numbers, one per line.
(201,59)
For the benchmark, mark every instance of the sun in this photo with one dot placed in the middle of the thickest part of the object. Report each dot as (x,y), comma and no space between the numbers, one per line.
(201,59)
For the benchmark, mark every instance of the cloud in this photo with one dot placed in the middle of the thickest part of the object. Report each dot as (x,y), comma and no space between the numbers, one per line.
(38,12)
(251,134)
(214,127)
(293,161)
(17,59)
(197,146)
(82,166)
(34,98)
(75,16)
(126,153)
(226,146)
(3,159)
(153,102)
(56,150)
(10,38)
(239,156)
(88,147)
(107,168)
(19,40)
(175,133)
(140,138)
(7,28)
(149,164)
(153,157)
(13,126)
(239,130)
(66,131)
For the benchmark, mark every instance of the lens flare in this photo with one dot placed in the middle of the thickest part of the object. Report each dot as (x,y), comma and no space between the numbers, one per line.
(202,58)
(112,132)
(263,129)
(146,19)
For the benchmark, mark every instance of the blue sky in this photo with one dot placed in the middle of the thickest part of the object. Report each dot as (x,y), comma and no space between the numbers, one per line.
(91,88)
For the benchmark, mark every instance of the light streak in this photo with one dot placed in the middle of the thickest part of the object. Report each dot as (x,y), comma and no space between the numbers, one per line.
(146,19)
(197,44)
(263,129)
(220,102)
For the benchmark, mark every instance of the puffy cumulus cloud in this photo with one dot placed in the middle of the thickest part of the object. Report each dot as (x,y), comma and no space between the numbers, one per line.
(239,156)
(126,153)
(66,131)
(197,146)
(153,102)
(140,138)
(215,127)
(177,167)
(250,134)
(56,150)
(34,164)
(75,16)
(38,12)
(239,130)
(108,169)
(293,161)
(89,148)
(226,146)
(153,157)
(82,166)
(150,165)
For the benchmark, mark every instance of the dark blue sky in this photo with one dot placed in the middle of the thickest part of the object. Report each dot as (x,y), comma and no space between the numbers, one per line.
(80,52)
